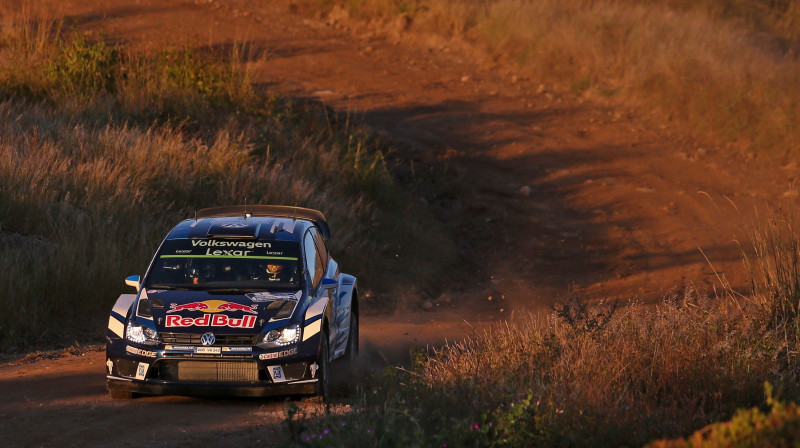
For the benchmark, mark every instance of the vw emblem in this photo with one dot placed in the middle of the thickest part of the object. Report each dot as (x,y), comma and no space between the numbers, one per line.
(207,339)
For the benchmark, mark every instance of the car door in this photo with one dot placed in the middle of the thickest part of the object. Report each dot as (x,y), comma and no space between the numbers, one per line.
(340,314)
(315,271)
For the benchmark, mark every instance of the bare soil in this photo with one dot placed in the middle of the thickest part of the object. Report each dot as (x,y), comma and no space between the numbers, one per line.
(548,195)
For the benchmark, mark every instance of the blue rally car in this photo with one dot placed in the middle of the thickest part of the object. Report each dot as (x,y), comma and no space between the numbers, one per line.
(240,300)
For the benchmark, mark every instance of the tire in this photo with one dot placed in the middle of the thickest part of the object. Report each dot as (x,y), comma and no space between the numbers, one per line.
(323,387)
(352,340)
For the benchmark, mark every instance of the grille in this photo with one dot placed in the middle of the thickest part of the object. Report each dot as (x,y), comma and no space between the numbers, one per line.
(211,371)
(221,339)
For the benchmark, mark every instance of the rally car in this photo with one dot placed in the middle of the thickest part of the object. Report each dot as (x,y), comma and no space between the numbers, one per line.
(239,300)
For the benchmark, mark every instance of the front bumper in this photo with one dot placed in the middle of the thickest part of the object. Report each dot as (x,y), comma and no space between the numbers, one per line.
(158,387)
(183,370)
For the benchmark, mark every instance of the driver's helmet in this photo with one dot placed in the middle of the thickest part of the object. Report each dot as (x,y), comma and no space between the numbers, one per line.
(201,272)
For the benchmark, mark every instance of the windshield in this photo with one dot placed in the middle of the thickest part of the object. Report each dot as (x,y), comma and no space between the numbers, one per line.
(225,264)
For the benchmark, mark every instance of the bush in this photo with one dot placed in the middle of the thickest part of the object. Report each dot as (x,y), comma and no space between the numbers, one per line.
(778,428)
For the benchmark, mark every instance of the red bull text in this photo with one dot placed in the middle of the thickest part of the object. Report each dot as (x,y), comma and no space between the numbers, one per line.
(218,320)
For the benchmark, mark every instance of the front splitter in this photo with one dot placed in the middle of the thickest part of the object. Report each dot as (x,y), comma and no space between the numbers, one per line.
(154,387)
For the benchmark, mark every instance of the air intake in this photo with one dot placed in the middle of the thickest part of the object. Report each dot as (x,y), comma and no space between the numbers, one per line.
(217,371)
(233,228)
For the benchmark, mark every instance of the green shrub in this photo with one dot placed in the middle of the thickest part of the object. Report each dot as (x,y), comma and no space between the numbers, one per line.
(81,70)
(777,428)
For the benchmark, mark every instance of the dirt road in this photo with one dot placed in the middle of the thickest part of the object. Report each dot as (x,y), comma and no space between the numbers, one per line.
(549,195)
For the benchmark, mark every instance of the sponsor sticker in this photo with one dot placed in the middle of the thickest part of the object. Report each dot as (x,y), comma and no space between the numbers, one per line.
(180,348)
(208,350)
(155,291)
(217,320)
(213,306)
(276,355)
(276,372)
(140,352)
(271,296)
(237,349)
(218,243)
(141,371)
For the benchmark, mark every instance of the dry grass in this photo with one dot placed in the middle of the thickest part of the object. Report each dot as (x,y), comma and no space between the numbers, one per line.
(601,375)
(647,374)
(728,69)
(103,150)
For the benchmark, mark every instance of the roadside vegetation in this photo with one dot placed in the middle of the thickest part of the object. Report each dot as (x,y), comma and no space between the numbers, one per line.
(600,374)
(729,70)
(778,427)
(103,150)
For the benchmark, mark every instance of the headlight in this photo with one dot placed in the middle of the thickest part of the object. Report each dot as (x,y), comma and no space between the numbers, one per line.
(141,334)
(281,337)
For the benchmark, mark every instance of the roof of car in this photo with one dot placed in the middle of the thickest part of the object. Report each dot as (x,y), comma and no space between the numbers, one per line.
(256,222)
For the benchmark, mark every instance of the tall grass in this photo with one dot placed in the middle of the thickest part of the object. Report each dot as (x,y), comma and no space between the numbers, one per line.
(725,69)
(103,150)
(598,374)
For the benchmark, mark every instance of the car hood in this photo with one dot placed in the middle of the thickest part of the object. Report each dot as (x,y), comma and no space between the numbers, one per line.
(201,311)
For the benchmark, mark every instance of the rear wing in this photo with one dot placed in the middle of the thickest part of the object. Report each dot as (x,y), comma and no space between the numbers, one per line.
(272,211)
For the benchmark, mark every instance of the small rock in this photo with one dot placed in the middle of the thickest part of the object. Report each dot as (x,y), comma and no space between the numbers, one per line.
(525,191)
(514,79)
(427,305)
(540,89)
(791,194)
(464,78)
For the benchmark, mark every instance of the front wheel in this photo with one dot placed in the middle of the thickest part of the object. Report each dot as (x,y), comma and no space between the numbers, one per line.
(323,389)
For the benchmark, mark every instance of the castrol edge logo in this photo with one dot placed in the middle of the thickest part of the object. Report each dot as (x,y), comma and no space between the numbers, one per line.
(209,318)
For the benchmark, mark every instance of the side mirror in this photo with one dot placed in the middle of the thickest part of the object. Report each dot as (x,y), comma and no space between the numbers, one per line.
(329,283)
(133,280)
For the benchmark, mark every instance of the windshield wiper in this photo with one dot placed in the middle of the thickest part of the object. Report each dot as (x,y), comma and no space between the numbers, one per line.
(170,287)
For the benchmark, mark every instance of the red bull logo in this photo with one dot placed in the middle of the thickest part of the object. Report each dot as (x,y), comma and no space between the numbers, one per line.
(213,306)
(219,320)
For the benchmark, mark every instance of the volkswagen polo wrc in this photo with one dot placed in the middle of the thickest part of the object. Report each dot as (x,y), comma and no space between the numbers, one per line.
(240,300)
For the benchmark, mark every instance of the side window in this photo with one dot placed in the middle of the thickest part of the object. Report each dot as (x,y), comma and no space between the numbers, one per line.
(322,250)
(312,259)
